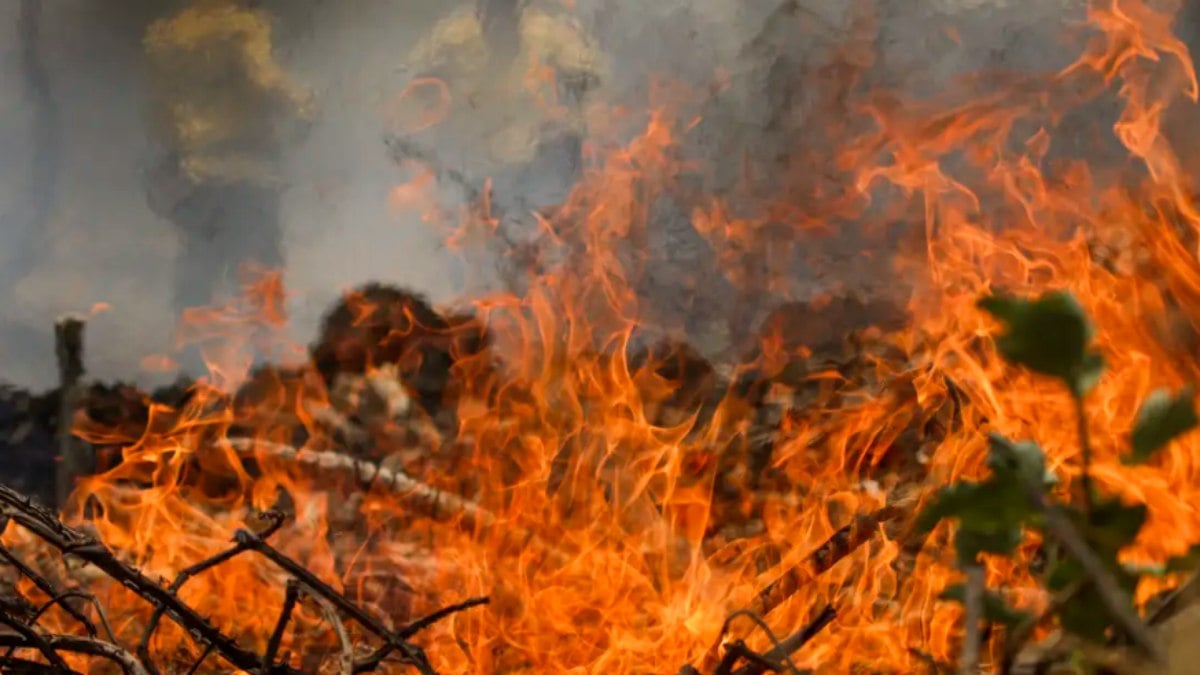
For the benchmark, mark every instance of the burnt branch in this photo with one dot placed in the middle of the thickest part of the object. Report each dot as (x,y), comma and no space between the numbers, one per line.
(71,542)
(275,522)
(77,645)
(56,597)
(373,661)
(60,601)
(290,597)
(412,653)
(430,502)
(427,621)
(791,644)
(329,612)
(843,542)
(204,655)
(31,638)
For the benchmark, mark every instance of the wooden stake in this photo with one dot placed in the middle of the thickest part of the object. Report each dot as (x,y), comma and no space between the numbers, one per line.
(75,457)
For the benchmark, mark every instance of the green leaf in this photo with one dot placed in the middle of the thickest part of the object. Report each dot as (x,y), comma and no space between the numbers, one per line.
(991,515)
(970,543)
(1085,614)
(1160,420)
(1050,335)
(1113,526)
(1021,462)
(995,609)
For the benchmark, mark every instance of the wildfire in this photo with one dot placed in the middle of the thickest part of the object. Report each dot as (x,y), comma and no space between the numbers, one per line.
(604,530)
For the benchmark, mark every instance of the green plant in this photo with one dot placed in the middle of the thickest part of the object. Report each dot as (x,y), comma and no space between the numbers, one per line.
(1092,590)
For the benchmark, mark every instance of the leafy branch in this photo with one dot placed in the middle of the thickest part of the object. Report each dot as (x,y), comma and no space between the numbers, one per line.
(1052,336)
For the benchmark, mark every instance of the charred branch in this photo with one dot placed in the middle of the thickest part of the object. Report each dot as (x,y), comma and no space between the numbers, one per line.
(70,542)
(290,597)
(56,597)
(843,542)
(275,521)
(779,654)
(76,645)
(394,643)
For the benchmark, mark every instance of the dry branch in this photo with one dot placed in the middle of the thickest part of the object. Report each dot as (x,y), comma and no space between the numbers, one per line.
(71,542)
(143,650)
(80,645)
(425,500)
(329,612)
(843,542)
(792,644)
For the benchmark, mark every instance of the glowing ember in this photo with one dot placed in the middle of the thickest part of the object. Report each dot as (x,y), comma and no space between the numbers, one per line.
(613,536)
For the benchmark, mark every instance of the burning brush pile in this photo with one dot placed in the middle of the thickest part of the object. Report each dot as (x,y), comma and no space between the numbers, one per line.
(995,473)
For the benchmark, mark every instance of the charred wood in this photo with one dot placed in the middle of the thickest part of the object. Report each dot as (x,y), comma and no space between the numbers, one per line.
(76,458)
(17,614)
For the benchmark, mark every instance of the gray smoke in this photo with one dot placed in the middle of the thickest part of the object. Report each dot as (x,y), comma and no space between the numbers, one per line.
(98,242)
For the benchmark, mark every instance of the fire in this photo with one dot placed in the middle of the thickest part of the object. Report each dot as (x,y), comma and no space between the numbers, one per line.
(613,537)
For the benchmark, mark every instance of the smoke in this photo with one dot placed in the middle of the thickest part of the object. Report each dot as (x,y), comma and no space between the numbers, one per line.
(99,243)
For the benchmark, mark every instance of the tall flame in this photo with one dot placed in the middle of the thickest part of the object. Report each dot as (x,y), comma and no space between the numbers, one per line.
(624,564)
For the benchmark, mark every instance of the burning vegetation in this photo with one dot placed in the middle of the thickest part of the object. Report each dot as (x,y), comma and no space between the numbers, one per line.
(983,465)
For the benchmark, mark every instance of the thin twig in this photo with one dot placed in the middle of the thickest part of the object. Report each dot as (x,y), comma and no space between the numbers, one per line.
(203,655)
(795,642)
(275,521)
(60,601)
(726,665)
(47,527)
(32,639)
(973,600)
(80,645)
(740,651)
(372,662)
(430,619)
(415,656)
(329,612)
(843,542)
(18,666)
(778,659)
(290,596)
(43,584)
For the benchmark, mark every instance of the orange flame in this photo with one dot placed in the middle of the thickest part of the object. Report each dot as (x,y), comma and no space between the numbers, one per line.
(630,554)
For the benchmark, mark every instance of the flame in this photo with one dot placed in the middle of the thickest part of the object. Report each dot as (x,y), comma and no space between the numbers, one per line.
(612,536)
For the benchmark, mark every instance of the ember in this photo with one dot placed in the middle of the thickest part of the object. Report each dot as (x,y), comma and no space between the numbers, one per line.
(565,479)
